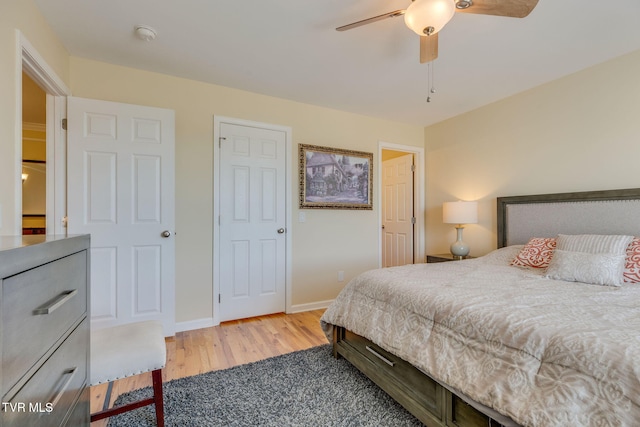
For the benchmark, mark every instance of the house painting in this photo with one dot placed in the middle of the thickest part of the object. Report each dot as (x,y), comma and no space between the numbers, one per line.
(332,177)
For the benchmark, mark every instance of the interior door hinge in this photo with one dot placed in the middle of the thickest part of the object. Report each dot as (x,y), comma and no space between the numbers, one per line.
(413,168)
(64,124)
(413,220)
(219,298)
(222,138)
(65,221)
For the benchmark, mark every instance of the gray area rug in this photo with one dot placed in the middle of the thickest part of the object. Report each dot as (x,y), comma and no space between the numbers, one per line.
(304,388)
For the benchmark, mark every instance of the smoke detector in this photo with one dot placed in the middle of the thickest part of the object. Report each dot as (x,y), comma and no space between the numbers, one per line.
(145,32)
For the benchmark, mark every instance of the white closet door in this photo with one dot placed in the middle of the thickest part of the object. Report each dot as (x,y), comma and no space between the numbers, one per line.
(252,221)
(121,191)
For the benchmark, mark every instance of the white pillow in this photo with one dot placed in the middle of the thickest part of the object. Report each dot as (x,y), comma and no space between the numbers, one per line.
(597,269)
(590,258)
(594,243)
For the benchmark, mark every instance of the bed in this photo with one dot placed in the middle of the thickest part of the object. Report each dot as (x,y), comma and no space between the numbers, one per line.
(483,342)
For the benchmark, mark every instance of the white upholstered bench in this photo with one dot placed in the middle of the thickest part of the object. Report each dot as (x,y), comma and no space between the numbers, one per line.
(124,351)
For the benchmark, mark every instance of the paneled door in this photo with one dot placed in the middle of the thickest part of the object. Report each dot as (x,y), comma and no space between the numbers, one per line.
(120,173)
(252,221)
(397,211)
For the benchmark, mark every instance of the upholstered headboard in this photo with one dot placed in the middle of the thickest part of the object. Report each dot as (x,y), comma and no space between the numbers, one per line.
(589,212)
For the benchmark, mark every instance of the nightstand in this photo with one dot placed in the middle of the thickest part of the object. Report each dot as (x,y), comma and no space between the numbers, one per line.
(444,258)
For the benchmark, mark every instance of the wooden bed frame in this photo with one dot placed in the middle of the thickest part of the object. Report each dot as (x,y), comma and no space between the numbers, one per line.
(435,404)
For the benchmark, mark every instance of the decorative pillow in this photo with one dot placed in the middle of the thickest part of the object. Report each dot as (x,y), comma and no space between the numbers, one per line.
(594,243)
(632,263)
(590,258)
(537,253)
(597,269)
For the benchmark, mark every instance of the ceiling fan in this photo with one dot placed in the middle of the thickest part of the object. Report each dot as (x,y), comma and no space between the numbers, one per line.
(427,17)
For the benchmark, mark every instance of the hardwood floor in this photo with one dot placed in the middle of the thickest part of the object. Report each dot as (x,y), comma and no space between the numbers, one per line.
(230,344)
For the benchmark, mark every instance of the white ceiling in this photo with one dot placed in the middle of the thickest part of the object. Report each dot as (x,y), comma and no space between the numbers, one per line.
(290,49)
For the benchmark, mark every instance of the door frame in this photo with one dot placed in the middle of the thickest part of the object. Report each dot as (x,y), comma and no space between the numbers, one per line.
(418,197)
(33,64)
(217,122)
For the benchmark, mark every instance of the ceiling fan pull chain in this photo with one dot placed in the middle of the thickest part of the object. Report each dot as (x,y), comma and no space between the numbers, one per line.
(428,81)
(430,88)
(433,72)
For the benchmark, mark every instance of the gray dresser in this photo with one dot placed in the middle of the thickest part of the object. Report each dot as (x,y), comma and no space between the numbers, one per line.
(44,330)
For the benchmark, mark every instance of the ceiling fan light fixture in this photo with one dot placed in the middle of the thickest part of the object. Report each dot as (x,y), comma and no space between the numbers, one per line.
(426,17)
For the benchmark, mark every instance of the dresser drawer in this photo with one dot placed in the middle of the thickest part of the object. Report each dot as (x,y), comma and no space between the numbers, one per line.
(49,395)
(395,375)
(80,414)
(461,414)
(38,308)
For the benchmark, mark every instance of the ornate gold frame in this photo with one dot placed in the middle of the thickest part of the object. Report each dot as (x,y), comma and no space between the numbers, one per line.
(333,178)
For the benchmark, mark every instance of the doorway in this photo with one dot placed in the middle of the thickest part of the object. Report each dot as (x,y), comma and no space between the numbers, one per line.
(401,204)
(34,157)
(398,214)
(46,81)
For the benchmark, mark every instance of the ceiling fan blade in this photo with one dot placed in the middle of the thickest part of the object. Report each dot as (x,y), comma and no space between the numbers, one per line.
(428,48)
(370,20)
(511,8)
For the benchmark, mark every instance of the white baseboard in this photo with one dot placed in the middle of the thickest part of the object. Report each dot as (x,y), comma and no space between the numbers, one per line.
(190,325)
(299,308)
(207,322)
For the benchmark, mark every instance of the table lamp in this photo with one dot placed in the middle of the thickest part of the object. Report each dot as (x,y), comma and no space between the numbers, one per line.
(460,213)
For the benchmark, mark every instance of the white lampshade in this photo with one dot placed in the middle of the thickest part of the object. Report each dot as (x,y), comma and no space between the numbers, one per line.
(424,14)
(460,212)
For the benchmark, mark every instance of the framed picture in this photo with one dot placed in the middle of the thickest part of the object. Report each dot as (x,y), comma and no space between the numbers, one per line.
(332,178)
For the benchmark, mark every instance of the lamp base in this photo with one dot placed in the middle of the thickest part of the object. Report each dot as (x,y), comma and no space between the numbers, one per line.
(459,249)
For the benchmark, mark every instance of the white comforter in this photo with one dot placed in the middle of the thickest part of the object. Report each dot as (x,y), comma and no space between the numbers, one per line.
(541,351)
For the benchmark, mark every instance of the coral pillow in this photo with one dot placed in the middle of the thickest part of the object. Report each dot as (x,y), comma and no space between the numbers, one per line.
(537,253)
(632,263)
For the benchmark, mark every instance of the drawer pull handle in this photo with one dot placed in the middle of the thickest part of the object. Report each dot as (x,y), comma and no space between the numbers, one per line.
(56,303)
(70,373)
(381,357)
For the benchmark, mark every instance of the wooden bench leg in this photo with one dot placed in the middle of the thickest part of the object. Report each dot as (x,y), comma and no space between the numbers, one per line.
(157,399)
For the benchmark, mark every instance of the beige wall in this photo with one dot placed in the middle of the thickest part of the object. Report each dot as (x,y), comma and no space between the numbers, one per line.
(34,190)
(327,242)
(34,144)
(22,15)
(578,133)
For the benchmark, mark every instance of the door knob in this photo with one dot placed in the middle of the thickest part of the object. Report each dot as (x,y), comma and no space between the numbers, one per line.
(280,230)
(166,233)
